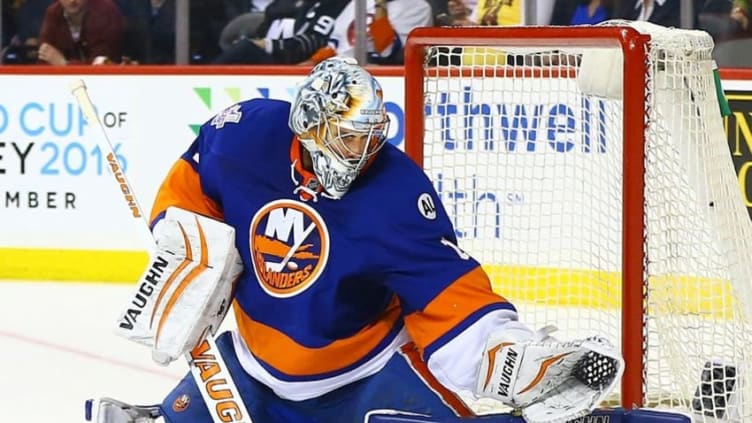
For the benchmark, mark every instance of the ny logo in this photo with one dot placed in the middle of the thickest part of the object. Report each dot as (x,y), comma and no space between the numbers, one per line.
(231,114)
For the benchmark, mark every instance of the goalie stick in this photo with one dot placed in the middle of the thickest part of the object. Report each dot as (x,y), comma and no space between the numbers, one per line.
(205,353)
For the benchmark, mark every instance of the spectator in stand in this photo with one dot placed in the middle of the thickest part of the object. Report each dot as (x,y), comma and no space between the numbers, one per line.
(544,10)
(149,35)
(21,20)
(498,12)
(240,26)
(291,32)
(8,23)
(235,8)
(717,6)
(209,17)
(485,13)
(80,31)
(460,12)
(29,16)
(440,11)
(716,18)
(510,12)
(150,30)
(582,12)
(661,12)
(740,13)
(452,12)
(244,17)
(389,22)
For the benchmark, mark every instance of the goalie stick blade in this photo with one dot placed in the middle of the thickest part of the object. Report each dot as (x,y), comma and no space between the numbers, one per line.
(606,415)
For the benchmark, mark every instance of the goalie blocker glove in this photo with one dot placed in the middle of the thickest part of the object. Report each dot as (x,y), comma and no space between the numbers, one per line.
(185,292)
(549,381)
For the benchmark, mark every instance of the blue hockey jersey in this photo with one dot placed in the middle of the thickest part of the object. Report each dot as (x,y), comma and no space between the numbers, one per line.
(331,288)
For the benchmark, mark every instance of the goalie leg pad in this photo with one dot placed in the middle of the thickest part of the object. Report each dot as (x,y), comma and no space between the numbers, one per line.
(187,289)
(549,380)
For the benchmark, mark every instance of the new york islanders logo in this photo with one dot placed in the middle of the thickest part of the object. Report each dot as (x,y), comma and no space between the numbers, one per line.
(289,246)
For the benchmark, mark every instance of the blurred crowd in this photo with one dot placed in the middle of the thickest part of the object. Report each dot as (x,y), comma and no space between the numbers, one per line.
(60,32)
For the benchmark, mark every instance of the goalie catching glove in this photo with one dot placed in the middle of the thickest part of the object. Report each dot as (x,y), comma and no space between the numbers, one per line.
(550,381)
(186,290)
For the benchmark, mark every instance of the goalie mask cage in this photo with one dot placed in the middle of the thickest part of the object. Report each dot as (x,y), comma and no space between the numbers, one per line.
(587,169)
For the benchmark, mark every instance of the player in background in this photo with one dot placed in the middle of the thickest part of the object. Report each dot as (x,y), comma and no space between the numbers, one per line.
(350,291)
(389,23)
(290,32)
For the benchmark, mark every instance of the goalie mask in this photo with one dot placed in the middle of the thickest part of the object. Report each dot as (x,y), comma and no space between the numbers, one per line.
(339,117)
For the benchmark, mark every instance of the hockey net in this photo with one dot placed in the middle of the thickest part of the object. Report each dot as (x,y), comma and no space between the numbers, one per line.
(587,169)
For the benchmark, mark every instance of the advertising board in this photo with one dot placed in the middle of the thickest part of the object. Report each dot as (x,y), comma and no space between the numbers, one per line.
(62,215)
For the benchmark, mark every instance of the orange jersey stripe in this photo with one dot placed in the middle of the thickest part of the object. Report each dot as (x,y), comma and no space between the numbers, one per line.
(464,296)
(182,188)
(411,353)
(287,356)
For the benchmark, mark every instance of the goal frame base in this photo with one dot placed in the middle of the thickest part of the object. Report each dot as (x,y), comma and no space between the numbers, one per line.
(610,415)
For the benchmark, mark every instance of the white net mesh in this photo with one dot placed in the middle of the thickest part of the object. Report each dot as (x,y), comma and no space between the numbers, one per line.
(530,169)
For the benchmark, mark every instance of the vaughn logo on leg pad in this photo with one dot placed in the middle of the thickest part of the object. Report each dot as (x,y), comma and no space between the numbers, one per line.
(148,283)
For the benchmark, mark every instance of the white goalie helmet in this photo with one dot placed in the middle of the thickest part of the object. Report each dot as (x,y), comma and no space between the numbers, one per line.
(339,117)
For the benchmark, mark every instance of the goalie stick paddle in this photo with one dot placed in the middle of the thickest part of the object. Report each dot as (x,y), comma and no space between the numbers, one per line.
(205,354)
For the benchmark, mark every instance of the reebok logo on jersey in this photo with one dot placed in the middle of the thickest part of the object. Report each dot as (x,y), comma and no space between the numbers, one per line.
(289,247)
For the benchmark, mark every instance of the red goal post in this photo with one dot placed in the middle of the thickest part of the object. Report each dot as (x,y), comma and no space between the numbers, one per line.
(633,45)
(545,164)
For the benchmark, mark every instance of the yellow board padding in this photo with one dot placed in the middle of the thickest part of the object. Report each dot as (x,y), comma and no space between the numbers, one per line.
(595,289)
(704,297)
(72,265)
